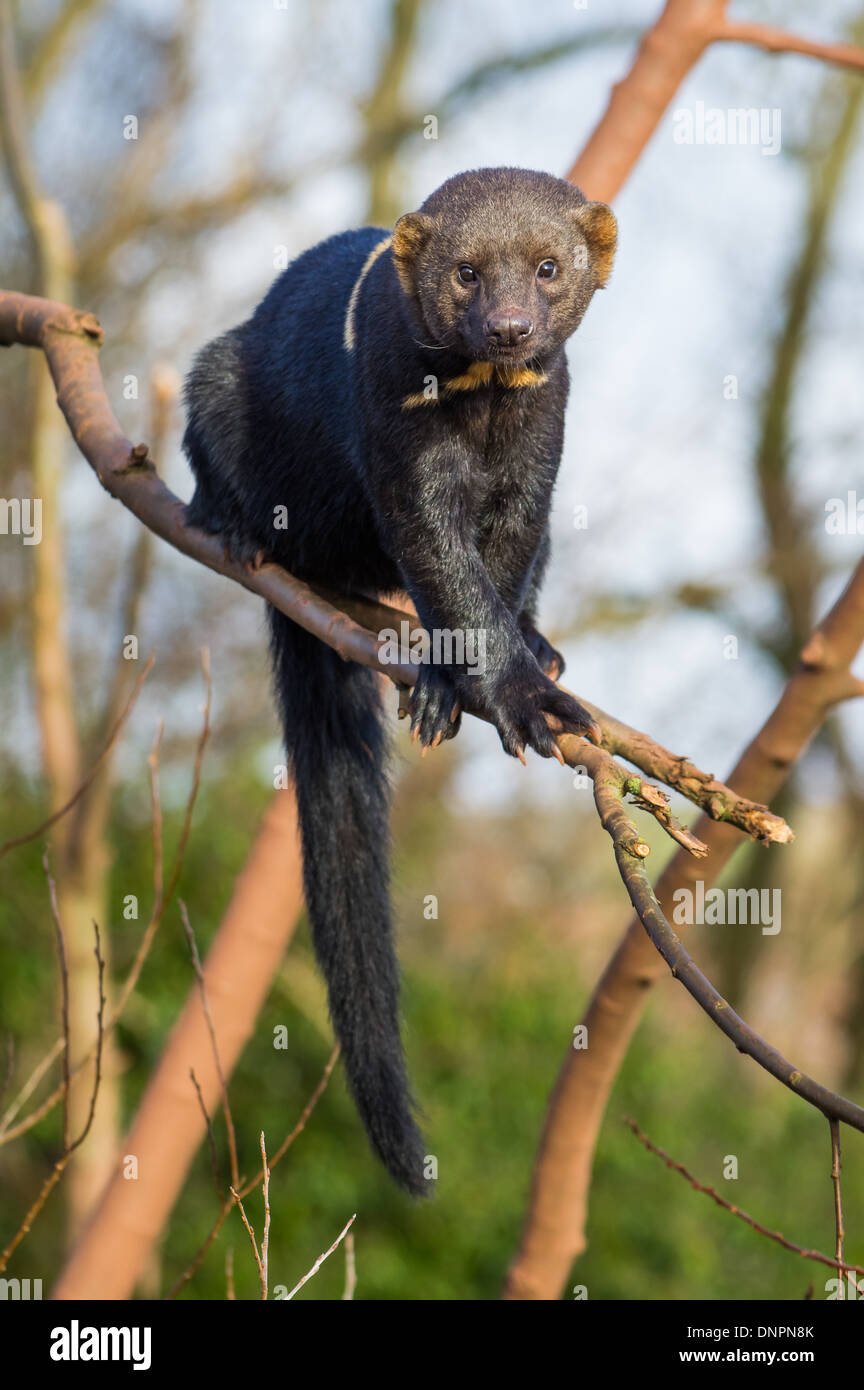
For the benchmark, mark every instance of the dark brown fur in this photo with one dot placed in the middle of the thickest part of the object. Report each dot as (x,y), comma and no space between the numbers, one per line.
(323,402)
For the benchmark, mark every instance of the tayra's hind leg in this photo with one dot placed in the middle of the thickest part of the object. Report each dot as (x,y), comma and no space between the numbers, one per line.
(216,512)
(217,444)
(434,707)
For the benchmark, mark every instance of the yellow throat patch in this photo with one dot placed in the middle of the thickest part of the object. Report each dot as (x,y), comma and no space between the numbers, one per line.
(476,375)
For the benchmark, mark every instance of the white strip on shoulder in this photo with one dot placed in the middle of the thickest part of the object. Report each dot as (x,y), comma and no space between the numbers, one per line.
(348,336)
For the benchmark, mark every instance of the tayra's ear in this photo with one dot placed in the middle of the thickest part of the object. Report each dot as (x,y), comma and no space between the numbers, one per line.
(410,235)
(598,225)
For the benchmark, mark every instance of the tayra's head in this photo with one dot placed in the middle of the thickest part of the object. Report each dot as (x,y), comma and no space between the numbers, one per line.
(500,264)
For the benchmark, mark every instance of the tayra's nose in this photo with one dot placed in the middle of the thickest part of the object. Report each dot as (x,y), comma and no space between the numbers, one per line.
(507,327)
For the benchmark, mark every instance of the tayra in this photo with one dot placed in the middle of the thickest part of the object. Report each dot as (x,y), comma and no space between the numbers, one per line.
(399,398)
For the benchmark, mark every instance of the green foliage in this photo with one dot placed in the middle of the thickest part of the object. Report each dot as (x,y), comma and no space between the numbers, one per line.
(492,993)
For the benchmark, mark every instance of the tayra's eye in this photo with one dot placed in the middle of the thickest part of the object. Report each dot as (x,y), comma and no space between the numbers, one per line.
(467,274)
(547,270)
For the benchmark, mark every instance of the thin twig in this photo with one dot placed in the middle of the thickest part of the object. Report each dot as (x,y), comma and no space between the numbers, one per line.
(186,828)
(251,1233)
(321,1258)
(244,1191)
(100,1041)
(76,796)
(301,1123)
(265,1239)
(10,1065)
(712,797)
(350,1269)
(56,1172)
(211,1029)
(211,1138)
(45,1191)
(834,1126)
(736,1211)
(156,820)
(64,995)
(160,908)
(197,1258)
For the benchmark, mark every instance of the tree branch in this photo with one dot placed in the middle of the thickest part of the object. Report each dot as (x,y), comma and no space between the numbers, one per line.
(845,55)
(670,49)
(70,341)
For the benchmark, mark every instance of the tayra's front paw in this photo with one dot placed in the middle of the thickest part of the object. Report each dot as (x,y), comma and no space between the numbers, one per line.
(522,700)
(434,708)
(548,658)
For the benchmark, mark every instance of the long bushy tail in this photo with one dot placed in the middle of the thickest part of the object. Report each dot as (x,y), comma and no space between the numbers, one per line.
(332,722)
